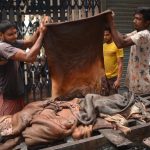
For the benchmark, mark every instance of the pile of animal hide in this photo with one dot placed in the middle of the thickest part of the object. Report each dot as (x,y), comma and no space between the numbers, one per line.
(50,120)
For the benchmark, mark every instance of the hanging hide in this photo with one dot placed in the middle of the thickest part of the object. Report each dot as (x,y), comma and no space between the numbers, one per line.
(75,55)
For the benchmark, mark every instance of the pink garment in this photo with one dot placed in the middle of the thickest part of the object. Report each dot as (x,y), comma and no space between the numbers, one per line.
(10,107)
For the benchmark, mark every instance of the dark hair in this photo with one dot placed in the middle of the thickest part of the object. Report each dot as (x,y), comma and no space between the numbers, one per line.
(107,28)
(145,11)
(5,25)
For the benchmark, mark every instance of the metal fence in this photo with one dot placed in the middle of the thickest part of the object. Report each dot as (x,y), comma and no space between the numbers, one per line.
(27,15)
(58,10)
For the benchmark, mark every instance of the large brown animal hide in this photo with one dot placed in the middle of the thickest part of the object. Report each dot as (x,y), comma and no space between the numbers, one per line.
(75,55)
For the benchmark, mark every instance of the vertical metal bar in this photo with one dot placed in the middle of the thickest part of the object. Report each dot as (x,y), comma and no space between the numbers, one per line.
(0,10)
(80,7)
(66,10)
(4,14)
(33,81)
(47,7)
(26,82)
(51,10)
(62,10)
(7,15)
(69,10)
(72,4)
(86,8)
(98,4)
(41,87)
(55,11)
(48,81)
(40,77)
(76,10)
(15,17)
(58,10)
(0,14)
(93,7)
(11,14)
(103,5)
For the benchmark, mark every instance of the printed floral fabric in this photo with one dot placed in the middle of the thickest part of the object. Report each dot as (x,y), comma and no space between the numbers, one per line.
(138,73)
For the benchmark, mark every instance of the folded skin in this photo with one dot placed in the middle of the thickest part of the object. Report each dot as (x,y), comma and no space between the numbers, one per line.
(10,144)
(49,126)
(14,124)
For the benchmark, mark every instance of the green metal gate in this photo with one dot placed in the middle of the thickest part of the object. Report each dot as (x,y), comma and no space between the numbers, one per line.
(37,81)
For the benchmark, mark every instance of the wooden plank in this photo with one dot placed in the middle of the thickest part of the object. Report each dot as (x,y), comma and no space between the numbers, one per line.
(146,142)
(137,134)
(91,143)
(117,139)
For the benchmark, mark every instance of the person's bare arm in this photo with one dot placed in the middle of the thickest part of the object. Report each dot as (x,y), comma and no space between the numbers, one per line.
(120,67)
(28,43)
(29,56)
(120,40)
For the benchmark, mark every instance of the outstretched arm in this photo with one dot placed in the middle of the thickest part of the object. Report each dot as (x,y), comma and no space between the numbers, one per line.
(30,56)
(120,40)
(28,43)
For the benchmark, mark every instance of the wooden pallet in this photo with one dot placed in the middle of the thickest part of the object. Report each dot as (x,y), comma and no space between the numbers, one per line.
(107,137)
